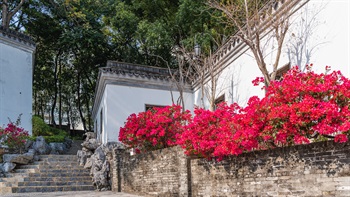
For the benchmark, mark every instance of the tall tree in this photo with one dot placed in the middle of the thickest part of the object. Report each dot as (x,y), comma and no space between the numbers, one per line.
(81,35)
(254,22)
(9,8)
(72,43)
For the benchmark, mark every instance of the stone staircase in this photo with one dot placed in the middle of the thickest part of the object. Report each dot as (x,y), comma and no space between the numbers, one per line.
(52,173)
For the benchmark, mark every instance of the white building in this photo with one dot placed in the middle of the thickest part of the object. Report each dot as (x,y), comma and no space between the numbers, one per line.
(16,78)
(319,33)
(124,89)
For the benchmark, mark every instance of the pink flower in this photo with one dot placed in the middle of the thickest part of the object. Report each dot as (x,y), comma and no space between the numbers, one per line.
(341,138)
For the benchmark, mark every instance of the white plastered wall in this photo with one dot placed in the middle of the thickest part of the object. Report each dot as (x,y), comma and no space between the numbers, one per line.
(16,76)
(119,102)
(329,41)
(330,37)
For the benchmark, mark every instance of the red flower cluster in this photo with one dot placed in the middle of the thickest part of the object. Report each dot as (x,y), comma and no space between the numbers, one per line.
(154,129)
(13,136)
(211,133)
(307,105)
(301,108)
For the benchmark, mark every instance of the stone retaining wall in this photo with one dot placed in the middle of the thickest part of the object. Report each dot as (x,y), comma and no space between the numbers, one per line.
(318,169)
(157,173)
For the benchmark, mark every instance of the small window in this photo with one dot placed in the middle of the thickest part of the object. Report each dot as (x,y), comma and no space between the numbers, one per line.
(151,107)
(219,100)
(281,71)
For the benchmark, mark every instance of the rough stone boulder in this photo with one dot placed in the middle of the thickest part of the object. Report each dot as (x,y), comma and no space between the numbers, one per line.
(28,145)
(2,174)
(83,156)
(68,142)
(97,158)
(41,147)
(58,148)
(19,158)
(100,153)
(88,163)
(96,164)
(7,167)
(90,144)
(101,177)
(89,135)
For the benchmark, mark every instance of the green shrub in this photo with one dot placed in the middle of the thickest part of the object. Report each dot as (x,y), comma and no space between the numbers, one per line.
(32,138)
(40,128)
(77,138)
(50,134)
(54,138)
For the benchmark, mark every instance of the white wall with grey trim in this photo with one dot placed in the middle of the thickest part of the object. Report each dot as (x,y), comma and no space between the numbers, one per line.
(327,25)
(118,102)
(16,77)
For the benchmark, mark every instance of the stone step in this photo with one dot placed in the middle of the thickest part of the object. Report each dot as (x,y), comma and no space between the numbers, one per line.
(5,190)
(59,163)
(62,168)
(45,171)
(27,167)
(57,156)
(54,183)
(16,175)
(25,189)
(56,162)
(47,167)
(8,184)
(80,178)
(63,174)
(26,170)
(12,179)
(52,173)
(67,170)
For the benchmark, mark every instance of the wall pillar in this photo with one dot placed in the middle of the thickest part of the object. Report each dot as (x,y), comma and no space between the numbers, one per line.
(116,169)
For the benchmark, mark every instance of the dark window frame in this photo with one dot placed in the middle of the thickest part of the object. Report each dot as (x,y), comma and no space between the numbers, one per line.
(281,71)
(151,106)
(219,100)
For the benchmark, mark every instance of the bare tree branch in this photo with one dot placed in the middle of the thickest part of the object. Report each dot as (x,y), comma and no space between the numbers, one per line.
(7,14)
(254,24)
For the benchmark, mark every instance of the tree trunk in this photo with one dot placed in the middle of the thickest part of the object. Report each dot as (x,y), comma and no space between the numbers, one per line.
(4,14)
(53,106)
(68,122)
(88,113)
(8,14)
(79,103)
(60,97)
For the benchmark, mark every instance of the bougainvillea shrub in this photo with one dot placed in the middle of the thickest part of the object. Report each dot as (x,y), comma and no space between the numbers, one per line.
(306,106)
(154,129)
(210,133)
(13,136)
(301,108)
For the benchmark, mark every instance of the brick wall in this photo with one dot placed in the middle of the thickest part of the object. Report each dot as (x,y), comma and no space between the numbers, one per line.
(157,173)
(319,169)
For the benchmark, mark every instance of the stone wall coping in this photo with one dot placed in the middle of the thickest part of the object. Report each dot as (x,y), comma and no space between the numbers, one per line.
(323,146)
(18,36)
